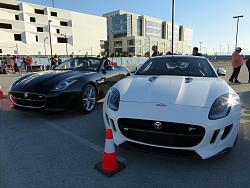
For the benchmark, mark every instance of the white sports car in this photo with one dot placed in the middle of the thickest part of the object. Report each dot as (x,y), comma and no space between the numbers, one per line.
(176,104)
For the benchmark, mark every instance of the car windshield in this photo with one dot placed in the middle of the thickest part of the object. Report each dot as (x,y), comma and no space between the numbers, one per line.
(84,64)
(178,66)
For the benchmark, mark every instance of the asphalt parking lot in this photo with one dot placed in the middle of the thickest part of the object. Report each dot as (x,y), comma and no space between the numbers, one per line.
(61,150)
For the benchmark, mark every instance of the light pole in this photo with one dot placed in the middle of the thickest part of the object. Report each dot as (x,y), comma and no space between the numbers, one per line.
(65,36)
(17,53)
(112,39)
(45,45)
(51,50)
(220,48)
(53,4)
(200,46)
(237,28)
(173,14)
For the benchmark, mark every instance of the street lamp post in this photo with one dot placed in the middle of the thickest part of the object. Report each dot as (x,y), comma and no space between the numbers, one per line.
(17,53)
(237,28)
(173,14)
(200,47)
(65,36)
(220,48)
(51,50)
(45,45)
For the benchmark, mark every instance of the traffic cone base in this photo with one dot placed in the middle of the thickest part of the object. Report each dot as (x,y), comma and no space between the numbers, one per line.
(1,93)
(109,165)
(120,167)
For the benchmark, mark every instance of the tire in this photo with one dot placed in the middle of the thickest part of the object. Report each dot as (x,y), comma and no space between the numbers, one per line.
(88,98)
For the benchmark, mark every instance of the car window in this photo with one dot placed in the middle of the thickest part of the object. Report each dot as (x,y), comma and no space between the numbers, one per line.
(179,66)
(85,64)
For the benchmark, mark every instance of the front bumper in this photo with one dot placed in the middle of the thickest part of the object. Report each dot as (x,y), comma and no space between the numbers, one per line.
(57,101)
(219,135)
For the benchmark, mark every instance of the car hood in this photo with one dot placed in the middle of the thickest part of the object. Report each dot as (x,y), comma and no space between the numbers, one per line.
(169,90)
(45,81)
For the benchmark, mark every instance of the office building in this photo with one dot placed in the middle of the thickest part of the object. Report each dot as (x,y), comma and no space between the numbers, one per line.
(134,34)
(29,29)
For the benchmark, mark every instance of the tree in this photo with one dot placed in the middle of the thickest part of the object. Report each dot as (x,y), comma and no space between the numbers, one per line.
(125,54)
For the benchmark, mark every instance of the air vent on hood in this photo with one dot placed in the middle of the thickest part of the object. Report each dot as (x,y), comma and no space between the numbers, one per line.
(188,80)
(153,78)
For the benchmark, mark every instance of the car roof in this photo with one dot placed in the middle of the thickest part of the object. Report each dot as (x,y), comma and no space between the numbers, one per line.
(98,58)
(179,56)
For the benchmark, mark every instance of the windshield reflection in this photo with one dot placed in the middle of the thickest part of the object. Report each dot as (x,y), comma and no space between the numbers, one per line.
(84,64)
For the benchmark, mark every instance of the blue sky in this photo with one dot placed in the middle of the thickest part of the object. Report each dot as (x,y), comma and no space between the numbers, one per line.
(212,20)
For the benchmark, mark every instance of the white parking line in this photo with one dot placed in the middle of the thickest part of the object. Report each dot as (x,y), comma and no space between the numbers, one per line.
(78,138)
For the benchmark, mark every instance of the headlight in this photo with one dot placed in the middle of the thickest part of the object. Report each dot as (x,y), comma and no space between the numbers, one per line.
(222,106)
(64,85)
(114,99)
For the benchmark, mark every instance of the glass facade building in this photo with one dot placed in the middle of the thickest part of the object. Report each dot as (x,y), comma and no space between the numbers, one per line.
(135,34)
(121,25)
(153,29)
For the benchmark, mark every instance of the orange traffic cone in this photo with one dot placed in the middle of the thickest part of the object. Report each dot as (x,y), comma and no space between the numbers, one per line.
(109,165)
(1,92)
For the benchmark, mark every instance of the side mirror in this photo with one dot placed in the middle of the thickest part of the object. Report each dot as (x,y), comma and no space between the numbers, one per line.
(221,72)
(53,67)
(134,70)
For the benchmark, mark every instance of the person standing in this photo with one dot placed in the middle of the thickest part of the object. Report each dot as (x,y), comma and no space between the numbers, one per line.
(155,51)
(54,61)
(29,64)
(13,64)
(8,60)
(24,67)
(196,51)
(237,62)
(18,63)
(248,67)
(10,63)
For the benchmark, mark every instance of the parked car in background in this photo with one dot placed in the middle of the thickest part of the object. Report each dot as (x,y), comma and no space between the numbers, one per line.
(114,64)
(77,82)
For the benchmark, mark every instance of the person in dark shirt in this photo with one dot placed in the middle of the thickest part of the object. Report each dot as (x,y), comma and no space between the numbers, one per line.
(155,50)
(29,62)
(248,67)
(196,51)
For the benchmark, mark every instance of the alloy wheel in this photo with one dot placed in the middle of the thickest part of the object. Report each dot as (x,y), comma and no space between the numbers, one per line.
(89,98)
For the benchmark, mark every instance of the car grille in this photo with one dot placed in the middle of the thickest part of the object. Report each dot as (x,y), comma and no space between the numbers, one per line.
(30,100)
(170,134)
(161,151)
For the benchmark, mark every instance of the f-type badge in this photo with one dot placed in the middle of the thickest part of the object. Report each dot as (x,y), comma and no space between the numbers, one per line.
(158,125)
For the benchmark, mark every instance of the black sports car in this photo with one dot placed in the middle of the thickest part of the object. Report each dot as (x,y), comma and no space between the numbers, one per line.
(76,82)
